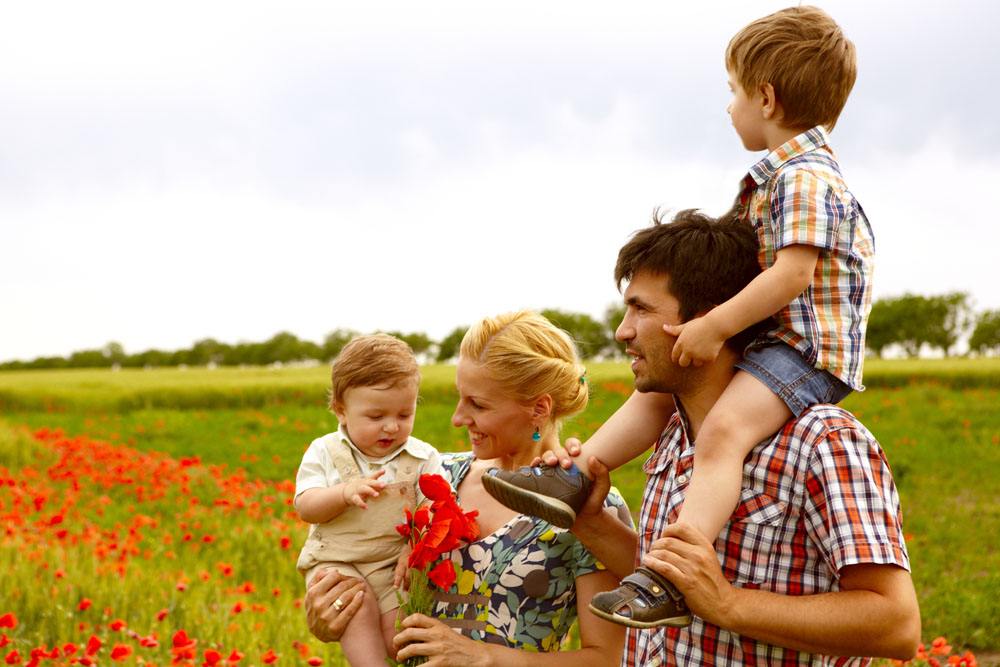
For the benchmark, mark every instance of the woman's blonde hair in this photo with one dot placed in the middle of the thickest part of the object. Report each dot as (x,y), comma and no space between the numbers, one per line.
(528,356)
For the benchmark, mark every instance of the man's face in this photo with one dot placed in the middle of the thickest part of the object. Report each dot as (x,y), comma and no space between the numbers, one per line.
(648,306)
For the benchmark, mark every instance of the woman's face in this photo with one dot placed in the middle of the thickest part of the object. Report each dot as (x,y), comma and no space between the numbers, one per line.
(499,426)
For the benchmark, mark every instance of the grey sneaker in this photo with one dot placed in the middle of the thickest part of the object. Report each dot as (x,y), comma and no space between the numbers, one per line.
(550,493)
(643,600)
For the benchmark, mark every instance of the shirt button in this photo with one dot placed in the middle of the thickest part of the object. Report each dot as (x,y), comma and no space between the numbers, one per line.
(682,479)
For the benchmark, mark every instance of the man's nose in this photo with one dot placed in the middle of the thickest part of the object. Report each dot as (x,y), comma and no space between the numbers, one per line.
(624,332)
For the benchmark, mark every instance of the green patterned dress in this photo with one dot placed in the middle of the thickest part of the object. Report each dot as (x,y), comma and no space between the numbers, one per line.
(517,586)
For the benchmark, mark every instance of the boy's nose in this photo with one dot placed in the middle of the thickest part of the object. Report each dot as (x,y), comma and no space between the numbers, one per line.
(391,427)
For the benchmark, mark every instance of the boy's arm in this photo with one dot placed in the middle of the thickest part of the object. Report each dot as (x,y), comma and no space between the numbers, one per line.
(322,504)
(700,339)
(630,431)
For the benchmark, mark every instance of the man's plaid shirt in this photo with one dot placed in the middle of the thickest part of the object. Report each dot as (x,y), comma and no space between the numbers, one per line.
(796,196)
(816,497)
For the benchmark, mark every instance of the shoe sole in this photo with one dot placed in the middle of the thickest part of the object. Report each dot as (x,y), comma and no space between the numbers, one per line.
(521,500)
(673,622)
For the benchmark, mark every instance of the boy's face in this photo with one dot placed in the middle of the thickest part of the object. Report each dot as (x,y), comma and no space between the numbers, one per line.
(747,116)
(378,419)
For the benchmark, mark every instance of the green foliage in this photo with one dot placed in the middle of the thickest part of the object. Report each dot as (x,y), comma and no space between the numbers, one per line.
(449,346)
(985,337)
(335,341)
(590,336)
(913,321)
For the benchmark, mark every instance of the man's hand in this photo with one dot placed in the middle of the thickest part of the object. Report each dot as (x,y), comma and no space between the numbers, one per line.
(698,341)
(327,591)
(357,490)
(601,478)
(685,557)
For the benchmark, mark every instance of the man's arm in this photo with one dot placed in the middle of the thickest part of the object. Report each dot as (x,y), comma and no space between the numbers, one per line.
(604,534)
(875,612)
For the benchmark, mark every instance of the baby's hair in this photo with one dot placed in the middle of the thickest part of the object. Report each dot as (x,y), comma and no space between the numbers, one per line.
(528,356)
(805,56)
(376,360)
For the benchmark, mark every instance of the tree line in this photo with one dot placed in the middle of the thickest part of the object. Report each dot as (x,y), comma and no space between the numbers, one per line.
(910,323)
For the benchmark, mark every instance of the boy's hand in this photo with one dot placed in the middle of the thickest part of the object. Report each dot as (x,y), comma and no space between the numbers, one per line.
(356,490)
(698,342)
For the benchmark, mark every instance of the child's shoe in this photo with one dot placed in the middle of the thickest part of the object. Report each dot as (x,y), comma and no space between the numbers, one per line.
(548,492)
(643,600)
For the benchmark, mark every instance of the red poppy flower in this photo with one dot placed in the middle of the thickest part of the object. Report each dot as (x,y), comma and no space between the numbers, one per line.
(269,657)
(162,614)
(4,640)
(235,656)
(212,657)
(434,487)
(84,605)
(286,542)
(117,625)
(69,648)
(443,574)
(8,620)
(13,658)
(121,651)
(93,645)
(315,661)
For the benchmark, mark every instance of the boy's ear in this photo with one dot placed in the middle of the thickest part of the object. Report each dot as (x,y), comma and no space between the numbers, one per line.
(770,108)
(338,409)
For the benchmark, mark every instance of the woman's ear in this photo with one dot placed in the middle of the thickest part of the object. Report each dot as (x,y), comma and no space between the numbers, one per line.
(541,409)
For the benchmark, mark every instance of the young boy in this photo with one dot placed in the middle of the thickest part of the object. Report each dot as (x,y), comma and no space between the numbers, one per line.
(790,74)
(353,485)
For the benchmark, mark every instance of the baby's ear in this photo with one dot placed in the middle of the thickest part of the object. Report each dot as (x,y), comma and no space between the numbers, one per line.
(337,408)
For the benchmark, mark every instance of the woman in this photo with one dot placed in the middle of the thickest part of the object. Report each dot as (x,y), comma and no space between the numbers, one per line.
(522,585)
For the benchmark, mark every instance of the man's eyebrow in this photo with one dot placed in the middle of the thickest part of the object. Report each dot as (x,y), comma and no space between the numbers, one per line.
(635,301)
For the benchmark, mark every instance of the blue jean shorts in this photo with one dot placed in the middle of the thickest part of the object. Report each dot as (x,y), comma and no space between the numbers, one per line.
(783,370)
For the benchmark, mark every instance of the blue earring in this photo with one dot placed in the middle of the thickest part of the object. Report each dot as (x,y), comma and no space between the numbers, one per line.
(536,436)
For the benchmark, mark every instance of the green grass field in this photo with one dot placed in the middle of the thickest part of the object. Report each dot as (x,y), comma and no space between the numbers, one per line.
(937,420)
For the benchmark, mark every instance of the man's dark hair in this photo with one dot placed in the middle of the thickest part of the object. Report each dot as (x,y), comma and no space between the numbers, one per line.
(707,260)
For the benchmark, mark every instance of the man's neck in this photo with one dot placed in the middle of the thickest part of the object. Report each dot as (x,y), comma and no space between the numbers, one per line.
(699,399)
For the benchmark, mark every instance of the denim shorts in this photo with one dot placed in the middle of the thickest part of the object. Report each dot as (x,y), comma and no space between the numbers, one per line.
(783,370)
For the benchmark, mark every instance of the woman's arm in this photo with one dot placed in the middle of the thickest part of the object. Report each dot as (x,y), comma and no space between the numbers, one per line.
(600,642)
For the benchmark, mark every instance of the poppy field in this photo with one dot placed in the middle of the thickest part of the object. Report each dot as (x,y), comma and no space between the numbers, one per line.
(145,516)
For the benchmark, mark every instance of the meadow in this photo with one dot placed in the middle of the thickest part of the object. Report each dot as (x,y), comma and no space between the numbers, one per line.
(146,514)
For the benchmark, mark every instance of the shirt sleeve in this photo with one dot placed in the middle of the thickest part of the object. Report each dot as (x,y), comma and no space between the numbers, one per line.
(852,507)
(805,210)
(316,469)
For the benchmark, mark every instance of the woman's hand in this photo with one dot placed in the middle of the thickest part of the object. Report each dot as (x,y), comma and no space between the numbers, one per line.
(443,647)
(329,590)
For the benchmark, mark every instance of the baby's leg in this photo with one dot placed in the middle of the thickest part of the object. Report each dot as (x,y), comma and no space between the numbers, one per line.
(746,413)
(362,642)
(389,630)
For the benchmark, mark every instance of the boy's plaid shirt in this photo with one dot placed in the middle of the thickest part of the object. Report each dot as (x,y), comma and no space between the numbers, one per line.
(816,497)
(796,196)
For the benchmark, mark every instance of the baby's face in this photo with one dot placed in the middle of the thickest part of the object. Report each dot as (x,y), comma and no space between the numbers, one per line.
(379,419)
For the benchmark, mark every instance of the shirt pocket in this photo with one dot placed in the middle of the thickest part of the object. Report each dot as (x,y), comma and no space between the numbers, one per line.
(754,535)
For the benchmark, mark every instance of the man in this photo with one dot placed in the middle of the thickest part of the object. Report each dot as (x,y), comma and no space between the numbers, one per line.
(812,563)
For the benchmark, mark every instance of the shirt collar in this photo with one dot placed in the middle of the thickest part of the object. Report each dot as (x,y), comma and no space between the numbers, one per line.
(809,140)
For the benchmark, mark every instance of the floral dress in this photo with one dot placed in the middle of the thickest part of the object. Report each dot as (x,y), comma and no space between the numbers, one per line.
(517,586)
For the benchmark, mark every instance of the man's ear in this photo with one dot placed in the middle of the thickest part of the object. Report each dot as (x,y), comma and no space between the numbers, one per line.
(770,107)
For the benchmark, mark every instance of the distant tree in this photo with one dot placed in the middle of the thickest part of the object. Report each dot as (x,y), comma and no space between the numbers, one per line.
(591,336)
(335,341)
(985,338)
(949,318)
(884,325)
(282,347)
(613,316)
(114,353)
(206,351)
(418,341)
(449,346)
(89,359)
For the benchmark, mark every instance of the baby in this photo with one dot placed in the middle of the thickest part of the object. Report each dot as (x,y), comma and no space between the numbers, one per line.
(354,484)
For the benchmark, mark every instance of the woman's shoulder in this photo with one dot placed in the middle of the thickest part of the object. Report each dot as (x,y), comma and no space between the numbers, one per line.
(456,465)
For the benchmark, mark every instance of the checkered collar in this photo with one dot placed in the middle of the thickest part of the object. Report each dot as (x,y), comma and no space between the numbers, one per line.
(809,140)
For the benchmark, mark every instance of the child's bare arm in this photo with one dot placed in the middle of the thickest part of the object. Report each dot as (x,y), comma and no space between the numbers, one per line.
(319,505)
(631,430)
(700,339)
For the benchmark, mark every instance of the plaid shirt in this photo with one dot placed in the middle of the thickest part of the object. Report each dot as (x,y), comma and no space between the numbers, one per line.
(816,497)
(796,196)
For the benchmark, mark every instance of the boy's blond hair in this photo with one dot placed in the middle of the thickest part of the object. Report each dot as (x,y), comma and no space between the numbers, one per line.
(529,356)
(377,360)
(805,56)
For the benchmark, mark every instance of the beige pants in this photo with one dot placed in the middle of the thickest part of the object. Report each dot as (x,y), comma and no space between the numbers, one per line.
(363,542)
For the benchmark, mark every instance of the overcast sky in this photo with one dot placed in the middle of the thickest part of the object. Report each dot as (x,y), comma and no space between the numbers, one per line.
(185,170)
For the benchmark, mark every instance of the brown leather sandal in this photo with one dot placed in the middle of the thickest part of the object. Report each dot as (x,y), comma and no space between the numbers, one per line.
(643,600)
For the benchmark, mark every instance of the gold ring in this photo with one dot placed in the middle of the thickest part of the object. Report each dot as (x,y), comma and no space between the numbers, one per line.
(338,604)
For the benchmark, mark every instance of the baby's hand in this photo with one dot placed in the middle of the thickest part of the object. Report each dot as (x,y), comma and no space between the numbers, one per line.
(356,490)
(698,342)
